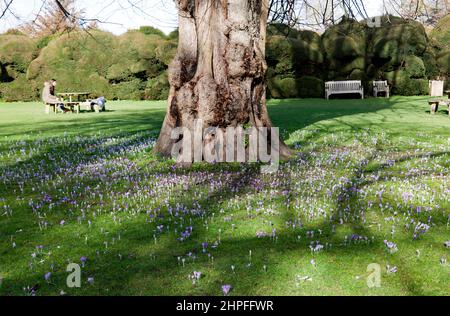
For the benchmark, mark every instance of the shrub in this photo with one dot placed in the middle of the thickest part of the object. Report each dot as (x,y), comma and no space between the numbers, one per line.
(174,35)
(345,67)
(117,67)
(295,56)
(157,88)
(14,32)
(16,54)
(391,43)
(358,74)
(280,87)
(441,33)
(443,61)
(279,55)
(287,87)
(128,90)
(414,67)
(19,90)
(402,84)
(347,40)
(310,87)
(150,30)
(342,47)
(431,64)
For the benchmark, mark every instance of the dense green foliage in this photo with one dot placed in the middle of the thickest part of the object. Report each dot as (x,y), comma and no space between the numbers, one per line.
(134,65)
(130,66)
(398,50)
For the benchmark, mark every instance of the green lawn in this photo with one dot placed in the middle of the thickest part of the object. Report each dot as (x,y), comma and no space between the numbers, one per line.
(88,185)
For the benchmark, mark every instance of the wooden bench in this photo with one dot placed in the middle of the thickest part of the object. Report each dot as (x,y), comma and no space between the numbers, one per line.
(381,86)
(343,87)
(53,107)
(50,106)
(434,105)
(74,106)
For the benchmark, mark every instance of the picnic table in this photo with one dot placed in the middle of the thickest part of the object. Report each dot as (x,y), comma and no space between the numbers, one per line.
(73,100)
(74,95)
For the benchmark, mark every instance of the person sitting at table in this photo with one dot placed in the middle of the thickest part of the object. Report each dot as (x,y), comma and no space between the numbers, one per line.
(48,95)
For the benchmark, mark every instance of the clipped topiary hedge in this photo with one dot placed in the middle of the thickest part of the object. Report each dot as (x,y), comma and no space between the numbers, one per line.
(441,33)
(16,54)
(117,67)
(403,84)
(281,88)
(310,87)
(414,67)
(134,65)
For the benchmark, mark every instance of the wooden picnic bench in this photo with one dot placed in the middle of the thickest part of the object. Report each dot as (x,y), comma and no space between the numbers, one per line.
(72,100)
(53,107)
(343,87)
(381,86)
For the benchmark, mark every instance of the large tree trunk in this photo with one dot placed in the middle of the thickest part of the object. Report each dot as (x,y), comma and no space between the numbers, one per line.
(218,74)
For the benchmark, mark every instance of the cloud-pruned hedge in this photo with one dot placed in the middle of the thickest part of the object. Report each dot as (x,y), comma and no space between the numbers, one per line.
(134,65)
(398,50)
(130,66)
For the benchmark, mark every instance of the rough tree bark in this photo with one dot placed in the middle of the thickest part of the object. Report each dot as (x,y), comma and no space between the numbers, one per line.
(218,74)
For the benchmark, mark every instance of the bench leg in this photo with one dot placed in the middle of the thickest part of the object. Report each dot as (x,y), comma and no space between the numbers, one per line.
(47,109)
(434,108)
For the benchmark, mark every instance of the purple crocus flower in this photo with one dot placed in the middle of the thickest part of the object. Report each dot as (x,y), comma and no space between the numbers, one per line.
(48,276)
(62,222)
(447,244)
(226,289)
(392,247)
(197,275)
(261,234)
(90,280)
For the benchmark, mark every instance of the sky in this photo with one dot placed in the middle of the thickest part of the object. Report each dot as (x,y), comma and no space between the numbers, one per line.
(119,15)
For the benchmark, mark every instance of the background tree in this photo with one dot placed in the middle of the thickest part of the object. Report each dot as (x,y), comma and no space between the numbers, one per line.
(428,12)
(218,74)
(55,17)
(315,14)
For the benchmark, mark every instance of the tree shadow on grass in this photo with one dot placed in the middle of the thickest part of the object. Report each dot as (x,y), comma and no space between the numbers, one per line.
(292,115)
(119,274)
(101,124)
